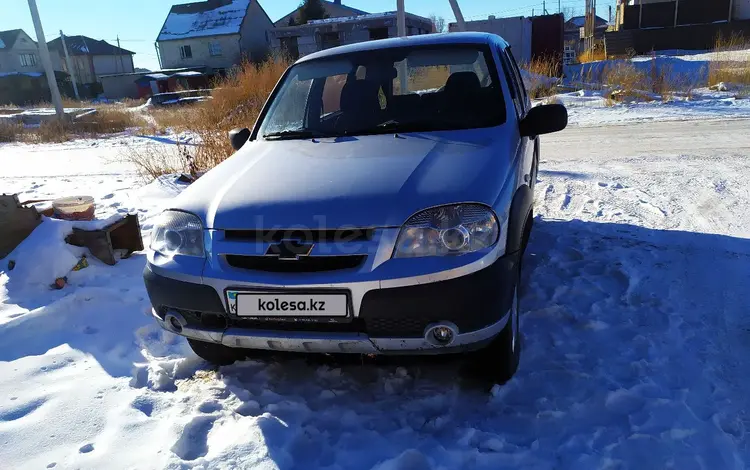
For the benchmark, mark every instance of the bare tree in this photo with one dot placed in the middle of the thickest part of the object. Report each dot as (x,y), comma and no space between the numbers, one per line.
(438,23)
(569,12)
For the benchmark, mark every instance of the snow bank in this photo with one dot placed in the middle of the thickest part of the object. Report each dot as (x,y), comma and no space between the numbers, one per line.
(587,108)
(634,337)
(43,256)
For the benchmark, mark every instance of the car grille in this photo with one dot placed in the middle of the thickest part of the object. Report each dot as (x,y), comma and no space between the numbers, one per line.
(309,236)
(305,264)
(395,327)
(374,327)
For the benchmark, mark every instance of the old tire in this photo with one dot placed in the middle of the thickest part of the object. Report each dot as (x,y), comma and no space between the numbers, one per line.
(217,354)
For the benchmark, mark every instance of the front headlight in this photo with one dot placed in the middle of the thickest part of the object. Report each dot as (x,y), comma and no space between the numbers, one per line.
(447,230)
(178,233)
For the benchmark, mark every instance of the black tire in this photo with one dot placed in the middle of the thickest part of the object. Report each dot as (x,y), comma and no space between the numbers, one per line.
(217,354)
(497,362)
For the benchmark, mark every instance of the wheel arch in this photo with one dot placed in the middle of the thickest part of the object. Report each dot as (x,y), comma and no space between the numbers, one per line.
(520,209)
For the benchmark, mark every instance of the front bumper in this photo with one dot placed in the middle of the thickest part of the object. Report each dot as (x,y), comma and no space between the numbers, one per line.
(388,320)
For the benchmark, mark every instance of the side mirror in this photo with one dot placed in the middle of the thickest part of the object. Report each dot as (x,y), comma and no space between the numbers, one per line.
(544,119)
(238,137)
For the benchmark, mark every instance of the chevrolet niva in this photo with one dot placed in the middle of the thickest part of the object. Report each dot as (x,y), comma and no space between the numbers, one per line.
(381,204)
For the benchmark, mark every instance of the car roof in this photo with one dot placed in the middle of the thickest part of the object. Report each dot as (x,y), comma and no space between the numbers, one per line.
(410,41)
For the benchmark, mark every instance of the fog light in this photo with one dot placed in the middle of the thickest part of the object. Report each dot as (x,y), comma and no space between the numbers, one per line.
(442,334)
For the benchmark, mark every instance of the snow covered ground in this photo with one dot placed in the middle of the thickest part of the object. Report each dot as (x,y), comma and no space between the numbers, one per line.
(589,108)
(636,334)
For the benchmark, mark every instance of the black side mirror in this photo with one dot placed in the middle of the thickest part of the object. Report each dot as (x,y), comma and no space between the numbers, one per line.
(238,137)
(544,119)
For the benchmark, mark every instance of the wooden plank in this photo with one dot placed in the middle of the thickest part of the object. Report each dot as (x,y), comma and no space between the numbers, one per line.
(16,223)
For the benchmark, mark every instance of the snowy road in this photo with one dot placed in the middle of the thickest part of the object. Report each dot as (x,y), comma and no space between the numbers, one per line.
(636,337)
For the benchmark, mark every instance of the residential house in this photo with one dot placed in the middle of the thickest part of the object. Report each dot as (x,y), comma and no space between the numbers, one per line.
(90,58)
(22,77)
(573,33)
(18,53)
(214,34)
(642,26)
(316,35)
(334,9)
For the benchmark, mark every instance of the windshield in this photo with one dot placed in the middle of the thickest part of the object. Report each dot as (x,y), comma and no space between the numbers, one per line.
(399,89)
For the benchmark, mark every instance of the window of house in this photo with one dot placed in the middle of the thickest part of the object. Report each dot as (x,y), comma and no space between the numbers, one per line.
(378,33)
(214,48)
(186,52)
(28,60)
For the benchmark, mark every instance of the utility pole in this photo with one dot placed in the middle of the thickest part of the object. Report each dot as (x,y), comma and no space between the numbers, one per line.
(610,13)
(70,67)
(46,62)
(731,9)
(640,13)
(544,7)
(459,16)
(119,54)
(402,69)
(401,18)
(559,6)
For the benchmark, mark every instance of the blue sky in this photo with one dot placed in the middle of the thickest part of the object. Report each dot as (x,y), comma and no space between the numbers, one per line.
(137,22)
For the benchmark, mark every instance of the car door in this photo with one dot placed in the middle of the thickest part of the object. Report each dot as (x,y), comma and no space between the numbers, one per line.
(522,104)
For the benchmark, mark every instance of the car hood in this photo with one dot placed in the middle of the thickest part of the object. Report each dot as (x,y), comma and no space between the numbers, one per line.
(364,181)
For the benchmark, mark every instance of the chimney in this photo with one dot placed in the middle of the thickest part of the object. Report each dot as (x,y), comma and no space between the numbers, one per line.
(491,17)
(337,2)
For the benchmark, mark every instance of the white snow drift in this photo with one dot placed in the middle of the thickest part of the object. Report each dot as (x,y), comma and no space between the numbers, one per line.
(635,334)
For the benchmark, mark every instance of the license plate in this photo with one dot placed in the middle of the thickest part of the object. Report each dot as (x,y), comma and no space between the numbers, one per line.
(269,304)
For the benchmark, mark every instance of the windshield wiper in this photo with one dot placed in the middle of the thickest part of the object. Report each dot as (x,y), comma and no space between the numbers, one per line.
(415,125)
(295,134)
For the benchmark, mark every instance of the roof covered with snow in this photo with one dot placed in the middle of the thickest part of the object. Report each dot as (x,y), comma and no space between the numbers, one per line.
(84,45)
(199,19)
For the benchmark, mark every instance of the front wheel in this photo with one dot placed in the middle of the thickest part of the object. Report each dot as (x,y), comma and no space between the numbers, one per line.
(498,361)
(217,354)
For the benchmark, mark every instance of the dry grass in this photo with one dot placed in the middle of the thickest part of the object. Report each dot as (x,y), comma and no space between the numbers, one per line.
(624,75)
(237,102)
(540,70)
(107,120)
(153,161)
(9,130)
(56,130)
(728,64)
(592,55)
(173,117)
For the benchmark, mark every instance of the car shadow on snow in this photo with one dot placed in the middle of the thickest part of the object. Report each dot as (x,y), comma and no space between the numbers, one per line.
(628,331)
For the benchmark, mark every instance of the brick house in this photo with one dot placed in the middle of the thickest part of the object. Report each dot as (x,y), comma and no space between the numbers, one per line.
(215,34)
